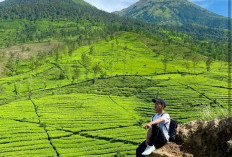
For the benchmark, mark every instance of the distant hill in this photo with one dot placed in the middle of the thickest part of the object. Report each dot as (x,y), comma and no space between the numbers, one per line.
(173,13)
(37,9)
(24,21)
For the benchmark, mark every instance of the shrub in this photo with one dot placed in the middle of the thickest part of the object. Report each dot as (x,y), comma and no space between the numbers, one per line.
(209,113)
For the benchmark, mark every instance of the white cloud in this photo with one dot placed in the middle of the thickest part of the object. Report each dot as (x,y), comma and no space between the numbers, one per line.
(111,5)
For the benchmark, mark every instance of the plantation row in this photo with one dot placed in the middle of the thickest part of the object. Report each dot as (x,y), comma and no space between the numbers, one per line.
(63,117)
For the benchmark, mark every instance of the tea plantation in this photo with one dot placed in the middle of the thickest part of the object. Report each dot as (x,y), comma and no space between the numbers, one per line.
(93,101)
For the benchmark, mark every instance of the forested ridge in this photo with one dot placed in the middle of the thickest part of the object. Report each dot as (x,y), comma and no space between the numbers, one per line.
(26,21)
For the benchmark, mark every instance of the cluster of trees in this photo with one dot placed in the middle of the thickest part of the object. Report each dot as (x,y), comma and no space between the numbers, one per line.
(12,64)
(190,57)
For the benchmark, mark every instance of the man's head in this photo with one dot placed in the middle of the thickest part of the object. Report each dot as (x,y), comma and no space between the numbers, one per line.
(160,104)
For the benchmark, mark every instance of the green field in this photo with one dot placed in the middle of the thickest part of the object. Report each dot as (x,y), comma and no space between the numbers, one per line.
(94,100)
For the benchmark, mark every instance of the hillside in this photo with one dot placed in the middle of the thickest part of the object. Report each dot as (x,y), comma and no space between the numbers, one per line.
(173,13)
(93,100)
(56,20)
(76,20)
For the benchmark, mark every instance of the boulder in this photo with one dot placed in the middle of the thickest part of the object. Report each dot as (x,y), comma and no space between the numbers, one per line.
(170,150)
(206,139)
(200,139)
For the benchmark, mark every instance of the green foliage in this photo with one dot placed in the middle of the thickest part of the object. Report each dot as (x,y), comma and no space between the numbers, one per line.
(76,74)
(208,63)
(208,112)
(86,60)
(96,69)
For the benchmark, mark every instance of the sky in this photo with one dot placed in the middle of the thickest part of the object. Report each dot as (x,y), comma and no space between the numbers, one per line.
(217,6)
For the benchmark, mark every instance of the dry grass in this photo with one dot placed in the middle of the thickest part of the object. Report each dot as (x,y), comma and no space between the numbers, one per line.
(25,51)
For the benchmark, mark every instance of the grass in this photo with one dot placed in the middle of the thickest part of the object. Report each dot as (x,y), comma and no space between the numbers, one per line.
(208,113)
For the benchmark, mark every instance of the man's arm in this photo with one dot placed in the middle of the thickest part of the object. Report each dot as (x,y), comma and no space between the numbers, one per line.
(157,121)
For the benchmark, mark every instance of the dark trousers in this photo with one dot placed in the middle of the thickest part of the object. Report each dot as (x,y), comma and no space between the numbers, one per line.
(157,139)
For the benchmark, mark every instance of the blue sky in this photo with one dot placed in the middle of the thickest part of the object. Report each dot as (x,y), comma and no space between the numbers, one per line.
(217,6)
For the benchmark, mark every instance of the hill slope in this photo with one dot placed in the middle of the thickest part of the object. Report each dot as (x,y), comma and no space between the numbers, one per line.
(67,20)
(92,101)
(58,20)
(173,12)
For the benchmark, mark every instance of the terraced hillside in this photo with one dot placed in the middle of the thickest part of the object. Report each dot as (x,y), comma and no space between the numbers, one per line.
(94,100)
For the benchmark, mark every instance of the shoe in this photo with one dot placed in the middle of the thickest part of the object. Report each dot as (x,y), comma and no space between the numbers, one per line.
(148,150)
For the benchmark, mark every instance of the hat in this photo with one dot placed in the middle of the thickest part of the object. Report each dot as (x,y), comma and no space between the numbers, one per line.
(160,101)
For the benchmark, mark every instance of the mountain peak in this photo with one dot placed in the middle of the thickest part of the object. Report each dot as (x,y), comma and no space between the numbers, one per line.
(173,13)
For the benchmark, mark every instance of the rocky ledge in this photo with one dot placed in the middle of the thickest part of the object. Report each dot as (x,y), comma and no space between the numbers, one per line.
(200,139)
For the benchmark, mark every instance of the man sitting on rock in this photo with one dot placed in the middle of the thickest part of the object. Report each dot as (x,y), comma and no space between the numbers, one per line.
(157,135)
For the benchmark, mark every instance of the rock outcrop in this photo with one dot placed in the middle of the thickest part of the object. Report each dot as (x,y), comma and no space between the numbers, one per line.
(170,150)
(200,139)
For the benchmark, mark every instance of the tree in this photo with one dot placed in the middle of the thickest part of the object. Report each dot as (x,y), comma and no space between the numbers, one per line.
(62,75)
(111,65)
(73,46)
(131,58)
(86,62)
(3,89)
(2,56)
(165,62)
(124,60)
(112,46)
(57,53)
(66,50)
(45,77)
(172,51)
(92,51)
(29,89)
(195,60)
(15,89)
(208,63)
(76,74)
(117,43)
(11,67)
(187,56)
(34,63)
(96,69)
